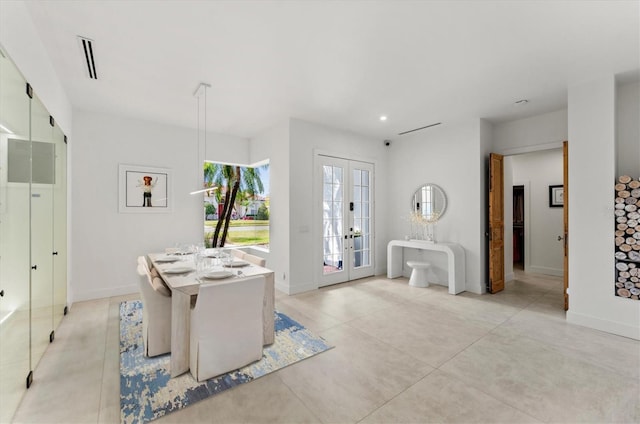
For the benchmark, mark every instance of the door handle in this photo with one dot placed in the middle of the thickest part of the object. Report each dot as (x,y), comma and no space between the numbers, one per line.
(560,238)
(34,267)
(1,293)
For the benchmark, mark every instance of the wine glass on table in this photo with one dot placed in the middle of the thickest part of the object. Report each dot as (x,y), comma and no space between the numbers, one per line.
(226,259)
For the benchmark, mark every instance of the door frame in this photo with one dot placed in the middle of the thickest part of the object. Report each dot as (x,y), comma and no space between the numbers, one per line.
(564,145)
(317,233)
(565,219)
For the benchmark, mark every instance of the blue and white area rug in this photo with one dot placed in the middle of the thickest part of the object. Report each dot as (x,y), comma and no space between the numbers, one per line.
(148,392)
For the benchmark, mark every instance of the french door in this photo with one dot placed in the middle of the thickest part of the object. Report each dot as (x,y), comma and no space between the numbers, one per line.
(345,196)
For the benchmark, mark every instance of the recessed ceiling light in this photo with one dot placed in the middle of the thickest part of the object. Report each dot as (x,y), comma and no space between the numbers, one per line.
(522,102)
(383,118)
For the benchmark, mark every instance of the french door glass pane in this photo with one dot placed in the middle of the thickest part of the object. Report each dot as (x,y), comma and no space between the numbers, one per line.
(332,204)
(328,192)
(337,210)
(361,234)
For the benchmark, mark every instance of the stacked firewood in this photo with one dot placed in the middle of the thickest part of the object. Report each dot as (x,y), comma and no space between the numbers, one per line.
(627,253)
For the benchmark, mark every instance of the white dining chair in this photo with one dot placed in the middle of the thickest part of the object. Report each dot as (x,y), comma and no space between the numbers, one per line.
(156,314)
(256,260)
(156,281)
(226,326)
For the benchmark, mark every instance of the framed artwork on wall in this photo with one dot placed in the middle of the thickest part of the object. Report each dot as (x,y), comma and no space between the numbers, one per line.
(144,189)
(556,196)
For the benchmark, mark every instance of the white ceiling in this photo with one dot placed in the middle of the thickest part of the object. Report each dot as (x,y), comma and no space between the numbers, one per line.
(339,63)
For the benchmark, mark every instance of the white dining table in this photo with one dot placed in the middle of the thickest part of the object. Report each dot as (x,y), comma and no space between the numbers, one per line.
(184,286)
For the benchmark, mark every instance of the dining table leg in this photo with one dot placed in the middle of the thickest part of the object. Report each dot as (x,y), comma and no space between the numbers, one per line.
(180,328)
(268,310)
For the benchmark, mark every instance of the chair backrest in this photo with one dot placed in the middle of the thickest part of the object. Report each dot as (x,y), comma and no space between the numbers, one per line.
(156,281)
(142,261)
(227,326)
(237,253)
(156,315)
(229,303)
(256,260)
(146,287)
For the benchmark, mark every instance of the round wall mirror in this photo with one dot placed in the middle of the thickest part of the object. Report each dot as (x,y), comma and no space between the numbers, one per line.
(429,201)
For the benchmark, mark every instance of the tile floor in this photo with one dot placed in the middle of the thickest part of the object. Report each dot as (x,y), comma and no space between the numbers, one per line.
(402,355)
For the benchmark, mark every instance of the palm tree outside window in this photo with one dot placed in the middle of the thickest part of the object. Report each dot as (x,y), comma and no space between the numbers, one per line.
(237,206)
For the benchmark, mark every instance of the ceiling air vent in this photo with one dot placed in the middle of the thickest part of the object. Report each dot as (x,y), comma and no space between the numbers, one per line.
(86,46)
(418,129)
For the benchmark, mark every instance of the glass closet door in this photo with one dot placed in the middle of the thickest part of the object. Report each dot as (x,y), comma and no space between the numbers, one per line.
(15,193)
(59,252)
(41,214)
(33,233)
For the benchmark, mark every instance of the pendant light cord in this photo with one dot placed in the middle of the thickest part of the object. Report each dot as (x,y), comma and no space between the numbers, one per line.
(200,165)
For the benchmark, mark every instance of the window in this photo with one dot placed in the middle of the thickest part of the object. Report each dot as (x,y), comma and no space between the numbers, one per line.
(246,191)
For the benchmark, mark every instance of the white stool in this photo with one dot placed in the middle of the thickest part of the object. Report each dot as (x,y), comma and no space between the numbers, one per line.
(419,273)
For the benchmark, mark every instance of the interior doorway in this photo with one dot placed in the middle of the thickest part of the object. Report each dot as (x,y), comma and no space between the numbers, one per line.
(518,227)
(532,227)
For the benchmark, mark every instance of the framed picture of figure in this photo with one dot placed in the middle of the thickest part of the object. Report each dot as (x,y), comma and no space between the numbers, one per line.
(144,189)
(556,196)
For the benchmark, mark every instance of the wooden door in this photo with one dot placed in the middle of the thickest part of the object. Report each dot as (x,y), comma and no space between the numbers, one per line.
(496,223)
(565,203)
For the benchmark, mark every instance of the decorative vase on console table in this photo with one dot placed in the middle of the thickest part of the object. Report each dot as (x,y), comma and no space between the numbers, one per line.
(423,228)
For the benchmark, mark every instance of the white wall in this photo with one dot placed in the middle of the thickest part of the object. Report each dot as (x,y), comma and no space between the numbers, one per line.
(592,162)
(628,129)
(105,242)
(544,224)
(305,139)
(449,156)
(538,132)
(273,144)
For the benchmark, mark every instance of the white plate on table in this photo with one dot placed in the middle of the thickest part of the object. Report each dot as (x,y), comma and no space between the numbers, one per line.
(178,270)
(166,259)
(216,275)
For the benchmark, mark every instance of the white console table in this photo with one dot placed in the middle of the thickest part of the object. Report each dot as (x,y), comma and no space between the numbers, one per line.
(455,260)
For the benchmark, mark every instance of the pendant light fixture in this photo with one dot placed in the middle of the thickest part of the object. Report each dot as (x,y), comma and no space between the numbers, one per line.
(201,93)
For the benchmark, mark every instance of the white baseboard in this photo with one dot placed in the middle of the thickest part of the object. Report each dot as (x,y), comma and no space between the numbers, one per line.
(107,292)
(546,270)
(301,288)
(509,277)
(621,329)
